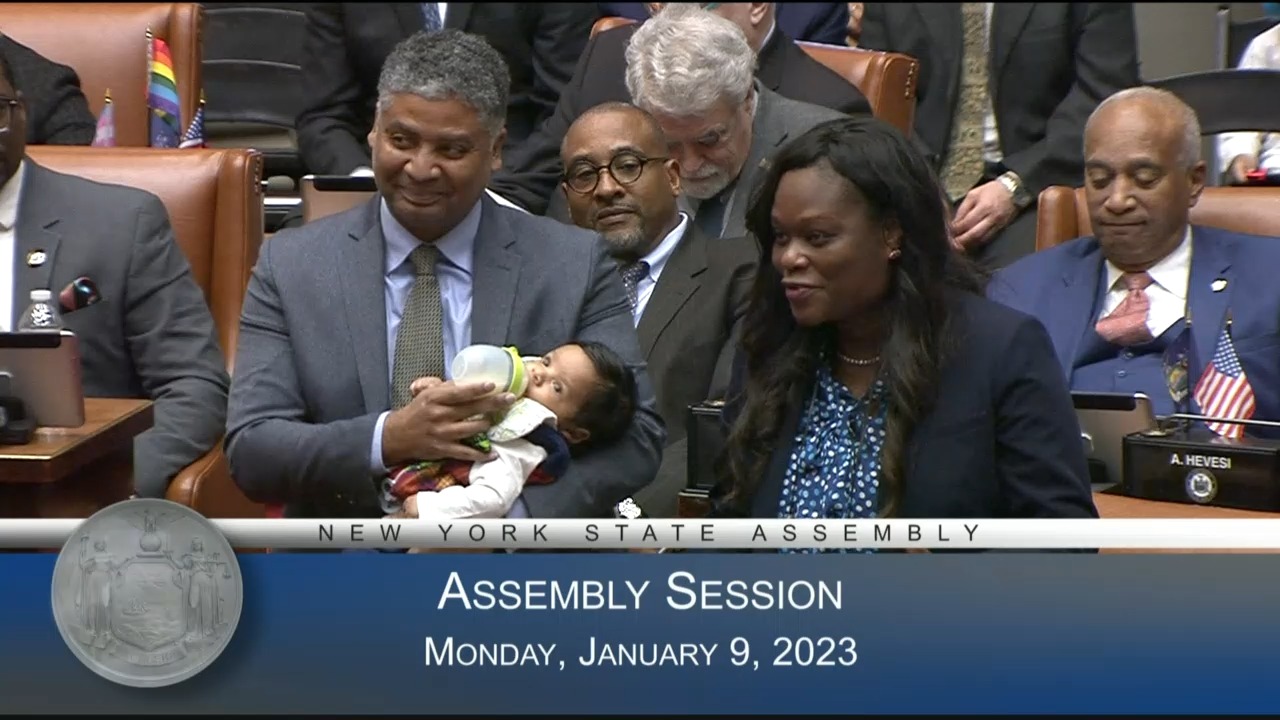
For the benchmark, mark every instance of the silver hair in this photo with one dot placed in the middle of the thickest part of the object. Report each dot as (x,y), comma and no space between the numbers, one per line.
(685,60)
(449,65)
(1181,112)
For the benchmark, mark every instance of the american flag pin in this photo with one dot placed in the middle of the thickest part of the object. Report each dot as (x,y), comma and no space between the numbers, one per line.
(36,258)
(1218,285)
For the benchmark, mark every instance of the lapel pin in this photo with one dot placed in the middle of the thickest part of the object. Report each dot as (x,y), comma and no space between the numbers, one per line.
(1219,285)
(36,258)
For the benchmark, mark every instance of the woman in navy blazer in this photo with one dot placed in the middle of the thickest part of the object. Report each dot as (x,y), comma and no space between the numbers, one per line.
(874,379)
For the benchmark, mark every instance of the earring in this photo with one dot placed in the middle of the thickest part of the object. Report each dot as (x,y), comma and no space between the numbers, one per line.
(894,254)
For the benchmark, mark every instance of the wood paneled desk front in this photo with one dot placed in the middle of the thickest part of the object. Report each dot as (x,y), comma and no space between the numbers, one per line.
(74,472)
(1119,506)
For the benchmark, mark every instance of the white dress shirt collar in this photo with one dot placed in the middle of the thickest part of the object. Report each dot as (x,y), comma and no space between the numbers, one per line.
(657,260)
(1172,273)
(9,198)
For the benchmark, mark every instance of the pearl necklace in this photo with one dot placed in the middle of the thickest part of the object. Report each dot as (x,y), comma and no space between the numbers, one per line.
(855,361)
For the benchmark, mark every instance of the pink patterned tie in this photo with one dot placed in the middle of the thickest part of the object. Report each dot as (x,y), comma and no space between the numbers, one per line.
(1127,324)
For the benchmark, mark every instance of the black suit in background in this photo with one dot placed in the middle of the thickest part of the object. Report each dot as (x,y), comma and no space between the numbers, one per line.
(1050,64)
(1002,440)
(348,42)
(530,175)
(57,111)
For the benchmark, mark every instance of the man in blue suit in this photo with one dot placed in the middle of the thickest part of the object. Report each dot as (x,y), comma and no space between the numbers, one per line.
(1150,288)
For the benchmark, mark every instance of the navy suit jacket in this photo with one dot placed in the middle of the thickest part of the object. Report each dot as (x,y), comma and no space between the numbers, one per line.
(1059,287)
(1001,441)
(823,22)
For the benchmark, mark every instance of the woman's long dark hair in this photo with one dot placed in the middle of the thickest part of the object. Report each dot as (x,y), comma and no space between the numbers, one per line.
(782,357)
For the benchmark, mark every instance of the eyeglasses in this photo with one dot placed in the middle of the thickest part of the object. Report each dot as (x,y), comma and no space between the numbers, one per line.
(7,104)
(625,168)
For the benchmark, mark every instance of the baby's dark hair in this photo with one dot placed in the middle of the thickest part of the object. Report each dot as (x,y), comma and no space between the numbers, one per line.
(606,413)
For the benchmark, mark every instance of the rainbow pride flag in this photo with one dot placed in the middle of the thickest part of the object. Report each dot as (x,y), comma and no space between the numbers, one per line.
(162,96)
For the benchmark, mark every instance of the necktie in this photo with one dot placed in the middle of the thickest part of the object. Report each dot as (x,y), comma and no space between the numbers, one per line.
(1127,324)
(964,163)
(710,215)
(431,11)
(420,336)
(631,276)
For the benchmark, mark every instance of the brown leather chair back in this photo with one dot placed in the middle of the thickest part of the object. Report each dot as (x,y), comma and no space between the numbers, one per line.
(1064,214)
(887,79)
(105,43)
(609,23)
(214,200)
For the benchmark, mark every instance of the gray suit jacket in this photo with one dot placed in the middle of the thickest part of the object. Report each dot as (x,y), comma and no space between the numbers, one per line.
(778,119)
(152,335)
(689,333)
(311,366)
(693,320)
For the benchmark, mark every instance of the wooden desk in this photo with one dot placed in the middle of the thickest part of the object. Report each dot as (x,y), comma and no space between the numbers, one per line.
(73,472)
(1119,506)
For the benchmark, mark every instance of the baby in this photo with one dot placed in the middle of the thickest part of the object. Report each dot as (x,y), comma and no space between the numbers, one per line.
(579,395)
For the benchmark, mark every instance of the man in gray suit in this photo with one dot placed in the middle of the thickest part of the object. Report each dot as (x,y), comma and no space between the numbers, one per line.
(688,293)
(144,328)
(343,314)
(695,73)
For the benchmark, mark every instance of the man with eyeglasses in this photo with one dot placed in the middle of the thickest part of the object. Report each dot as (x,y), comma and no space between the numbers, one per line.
(144,327)
(531,172)
(688,292)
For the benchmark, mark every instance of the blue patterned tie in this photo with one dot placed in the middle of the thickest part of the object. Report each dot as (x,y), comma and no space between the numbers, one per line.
(432,13)
(631,276)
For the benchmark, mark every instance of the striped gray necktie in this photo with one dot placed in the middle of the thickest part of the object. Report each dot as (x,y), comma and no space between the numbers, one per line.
(420,336)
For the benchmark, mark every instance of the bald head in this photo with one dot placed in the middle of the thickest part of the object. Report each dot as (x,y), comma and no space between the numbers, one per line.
(1143,174)
(1158,110)
(646,130)
(632,203)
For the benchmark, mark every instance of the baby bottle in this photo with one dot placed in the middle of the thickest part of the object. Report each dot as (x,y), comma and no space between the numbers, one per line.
(501,366)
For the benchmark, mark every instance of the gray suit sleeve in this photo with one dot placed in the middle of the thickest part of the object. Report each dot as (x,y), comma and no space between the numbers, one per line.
(172,342)
(277,455)
(601,479)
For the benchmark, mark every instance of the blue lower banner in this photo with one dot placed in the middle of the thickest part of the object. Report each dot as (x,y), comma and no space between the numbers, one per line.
(607,634)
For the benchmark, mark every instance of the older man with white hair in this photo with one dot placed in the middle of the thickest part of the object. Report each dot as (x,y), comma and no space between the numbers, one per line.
(694,72)
(532,173)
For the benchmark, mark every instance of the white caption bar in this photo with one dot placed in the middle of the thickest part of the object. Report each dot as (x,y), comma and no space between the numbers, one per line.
(1244,534)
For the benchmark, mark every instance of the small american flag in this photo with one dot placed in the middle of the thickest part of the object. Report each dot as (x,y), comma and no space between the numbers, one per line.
(194,137)
(1224,390)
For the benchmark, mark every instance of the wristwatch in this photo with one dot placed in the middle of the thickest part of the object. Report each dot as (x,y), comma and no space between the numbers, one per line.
(1013,183)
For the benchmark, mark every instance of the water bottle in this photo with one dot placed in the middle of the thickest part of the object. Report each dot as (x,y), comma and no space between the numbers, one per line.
(41,315)
(489,363)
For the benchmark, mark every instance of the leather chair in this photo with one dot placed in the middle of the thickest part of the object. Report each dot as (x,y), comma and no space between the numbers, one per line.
(105,43)
(214,200)
(1064,215)
(887,79)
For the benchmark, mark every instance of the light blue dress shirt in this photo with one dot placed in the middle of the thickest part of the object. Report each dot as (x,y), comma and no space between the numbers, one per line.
(453,273)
